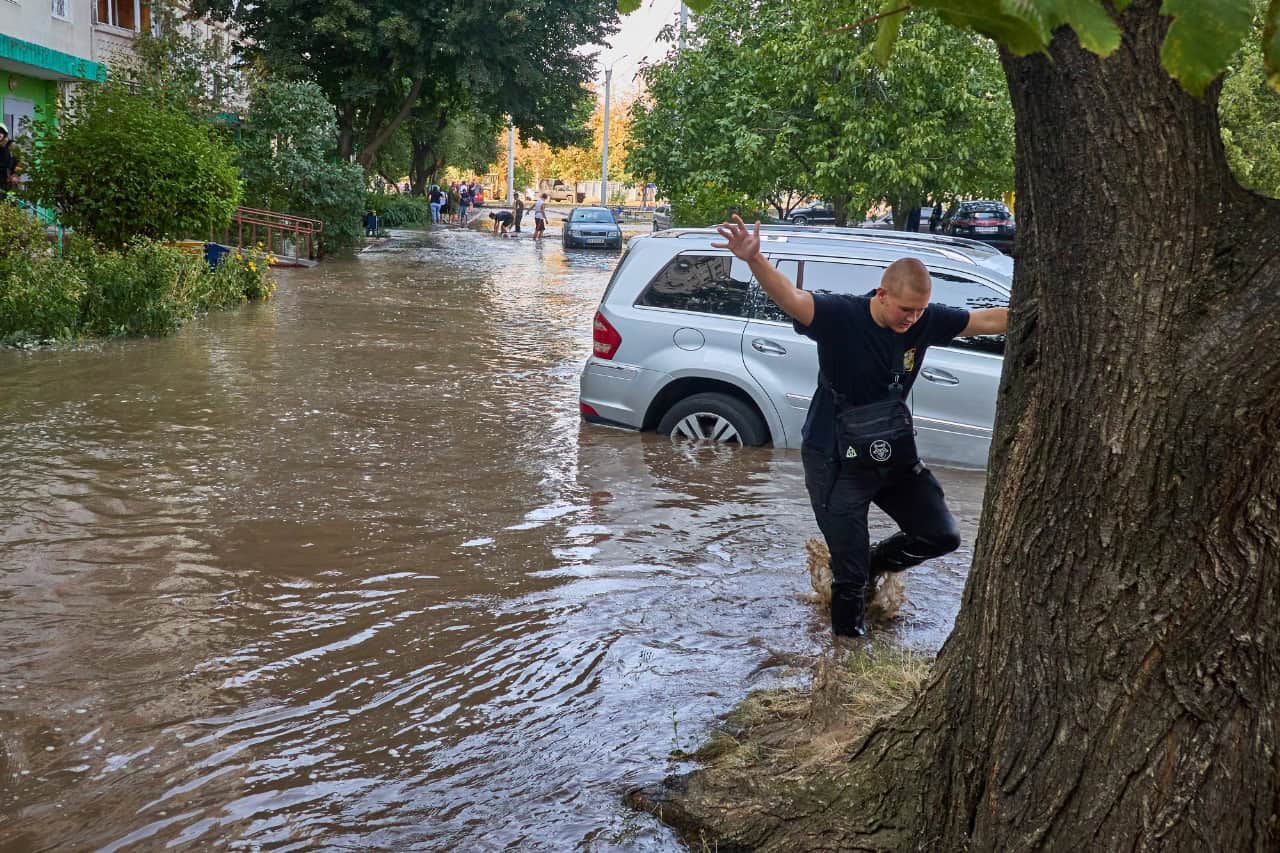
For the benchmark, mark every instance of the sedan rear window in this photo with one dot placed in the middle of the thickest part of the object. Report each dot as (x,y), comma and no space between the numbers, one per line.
(591,216)
(707,284)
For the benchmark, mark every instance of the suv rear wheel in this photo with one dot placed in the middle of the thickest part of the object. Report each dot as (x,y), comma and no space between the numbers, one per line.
(714,417)
(799,220)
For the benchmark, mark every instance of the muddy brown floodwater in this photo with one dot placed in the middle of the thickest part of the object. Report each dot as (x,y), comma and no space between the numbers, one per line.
(345,571)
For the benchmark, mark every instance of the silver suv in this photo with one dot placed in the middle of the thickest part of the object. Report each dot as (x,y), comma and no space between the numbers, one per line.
(687,343)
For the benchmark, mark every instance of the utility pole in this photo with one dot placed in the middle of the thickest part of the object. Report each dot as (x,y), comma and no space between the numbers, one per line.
(604,147)
(511,161)
(684,19)
(604,144)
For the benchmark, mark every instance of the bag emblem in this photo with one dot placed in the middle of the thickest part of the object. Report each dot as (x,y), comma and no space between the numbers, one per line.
(881,450)
(851,454)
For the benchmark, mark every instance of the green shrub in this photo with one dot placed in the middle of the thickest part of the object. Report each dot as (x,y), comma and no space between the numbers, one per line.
(237,278)
(122,165)
(399,211)
(145,289)
(706,205)
(20,232)
(40,298)
(290,163)
(148,289)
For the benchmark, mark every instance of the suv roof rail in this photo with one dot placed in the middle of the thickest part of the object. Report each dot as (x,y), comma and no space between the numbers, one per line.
(947,247)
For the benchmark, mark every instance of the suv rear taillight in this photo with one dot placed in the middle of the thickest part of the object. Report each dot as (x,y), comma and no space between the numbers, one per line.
(605,337)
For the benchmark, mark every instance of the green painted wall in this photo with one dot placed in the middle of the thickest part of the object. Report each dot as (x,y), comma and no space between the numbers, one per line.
(43,92)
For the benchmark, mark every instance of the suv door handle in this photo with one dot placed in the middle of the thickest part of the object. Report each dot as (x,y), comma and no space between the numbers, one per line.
(939,376)
(768,347)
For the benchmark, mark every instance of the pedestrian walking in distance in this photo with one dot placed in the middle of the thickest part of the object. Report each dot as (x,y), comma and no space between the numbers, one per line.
(539,216)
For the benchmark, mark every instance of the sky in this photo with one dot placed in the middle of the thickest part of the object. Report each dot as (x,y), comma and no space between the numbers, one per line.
(637,42)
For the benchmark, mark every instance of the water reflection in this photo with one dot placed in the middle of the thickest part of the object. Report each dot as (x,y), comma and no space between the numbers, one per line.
(346,570)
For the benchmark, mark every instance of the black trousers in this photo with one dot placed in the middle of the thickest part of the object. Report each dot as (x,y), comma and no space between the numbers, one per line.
(841,496)
(519,216)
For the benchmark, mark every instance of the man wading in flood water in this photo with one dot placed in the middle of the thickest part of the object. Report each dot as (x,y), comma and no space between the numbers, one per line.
(859,443)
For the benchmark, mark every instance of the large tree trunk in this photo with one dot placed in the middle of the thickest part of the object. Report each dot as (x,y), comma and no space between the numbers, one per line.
(381,131)
(1111,682)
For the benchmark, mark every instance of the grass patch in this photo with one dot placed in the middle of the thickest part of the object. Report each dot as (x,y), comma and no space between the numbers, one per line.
(882,679)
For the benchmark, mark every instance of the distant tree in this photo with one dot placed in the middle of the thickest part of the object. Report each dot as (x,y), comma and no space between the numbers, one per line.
(777,99)
(289,161)
(1250,113)
(717,124)
(173,63)
(382,61)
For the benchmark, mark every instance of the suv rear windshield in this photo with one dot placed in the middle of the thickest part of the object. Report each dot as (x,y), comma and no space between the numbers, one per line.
(707,284)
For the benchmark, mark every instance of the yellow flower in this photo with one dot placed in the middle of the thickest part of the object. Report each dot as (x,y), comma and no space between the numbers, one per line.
(253,267)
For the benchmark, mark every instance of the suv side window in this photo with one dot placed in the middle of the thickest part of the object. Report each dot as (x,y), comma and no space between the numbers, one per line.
(707,284)
(960,292)
(817,277)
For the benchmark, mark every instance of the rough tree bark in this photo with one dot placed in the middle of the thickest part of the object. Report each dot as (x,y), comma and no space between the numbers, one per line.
(381,131)
(1112,679)
(425,164)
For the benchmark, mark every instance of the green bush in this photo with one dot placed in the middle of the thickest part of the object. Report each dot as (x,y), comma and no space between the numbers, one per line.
(399,211)
(147,289)
(40,298)
(20,232)
(122,165)
(237,278)
(290,163)
(706,205)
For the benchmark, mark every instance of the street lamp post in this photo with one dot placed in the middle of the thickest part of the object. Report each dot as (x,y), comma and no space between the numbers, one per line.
(604,145)
(511,161)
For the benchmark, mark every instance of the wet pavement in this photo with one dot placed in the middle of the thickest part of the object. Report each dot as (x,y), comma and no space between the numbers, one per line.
(345,571)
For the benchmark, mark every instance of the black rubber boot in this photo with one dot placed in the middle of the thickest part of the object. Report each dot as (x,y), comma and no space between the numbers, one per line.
(887,555)
(848,608)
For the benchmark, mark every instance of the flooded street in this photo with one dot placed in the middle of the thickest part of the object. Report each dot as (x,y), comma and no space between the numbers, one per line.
(346,571)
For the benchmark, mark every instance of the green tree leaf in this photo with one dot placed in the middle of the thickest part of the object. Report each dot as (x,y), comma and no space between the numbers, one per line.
(1202,39)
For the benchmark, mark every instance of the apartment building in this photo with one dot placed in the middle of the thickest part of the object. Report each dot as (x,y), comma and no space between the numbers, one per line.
(48,45)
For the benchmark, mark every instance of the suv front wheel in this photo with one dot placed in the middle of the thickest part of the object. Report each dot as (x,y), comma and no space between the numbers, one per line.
(713,417)
(799,220)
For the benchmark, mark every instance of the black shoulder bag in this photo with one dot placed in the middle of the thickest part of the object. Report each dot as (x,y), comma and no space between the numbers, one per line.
(877,435)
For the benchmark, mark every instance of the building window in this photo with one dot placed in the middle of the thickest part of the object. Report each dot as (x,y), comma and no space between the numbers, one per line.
(62,9)
(126,14)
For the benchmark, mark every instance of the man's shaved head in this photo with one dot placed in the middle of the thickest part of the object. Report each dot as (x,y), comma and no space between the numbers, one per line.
(906,274)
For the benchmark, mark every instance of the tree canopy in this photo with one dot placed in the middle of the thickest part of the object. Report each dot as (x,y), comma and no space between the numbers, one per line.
(379,62)
(773,101)
(1202,37)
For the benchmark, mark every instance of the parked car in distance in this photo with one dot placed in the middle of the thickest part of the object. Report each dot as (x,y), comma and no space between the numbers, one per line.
(988,221)
(820,212)
(662,217)
(883,222)
(591,227)
(558,191)
(685,341)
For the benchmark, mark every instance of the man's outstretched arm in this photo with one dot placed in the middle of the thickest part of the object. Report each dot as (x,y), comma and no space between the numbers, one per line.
(745,244)
(988,321)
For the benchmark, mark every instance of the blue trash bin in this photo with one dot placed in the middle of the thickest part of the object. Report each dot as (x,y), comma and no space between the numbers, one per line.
(214,254)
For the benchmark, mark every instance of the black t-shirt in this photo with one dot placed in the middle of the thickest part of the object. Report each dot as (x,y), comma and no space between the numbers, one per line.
(856,355)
